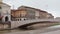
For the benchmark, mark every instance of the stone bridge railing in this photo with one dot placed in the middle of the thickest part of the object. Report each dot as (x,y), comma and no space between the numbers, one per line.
(15,24)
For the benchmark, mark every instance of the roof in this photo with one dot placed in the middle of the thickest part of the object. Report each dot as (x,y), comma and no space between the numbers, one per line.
(14,10)
(32,8)
(5,4)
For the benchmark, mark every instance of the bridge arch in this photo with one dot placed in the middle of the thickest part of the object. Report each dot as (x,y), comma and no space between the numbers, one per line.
(26,25)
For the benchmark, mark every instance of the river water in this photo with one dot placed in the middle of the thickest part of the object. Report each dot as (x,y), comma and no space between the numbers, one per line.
(38,31)
(10,31)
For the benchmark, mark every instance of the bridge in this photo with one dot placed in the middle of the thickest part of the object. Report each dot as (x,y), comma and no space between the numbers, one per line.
(15,24)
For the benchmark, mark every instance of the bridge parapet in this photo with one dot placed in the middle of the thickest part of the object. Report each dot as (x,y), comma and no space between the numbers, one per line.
(15,24)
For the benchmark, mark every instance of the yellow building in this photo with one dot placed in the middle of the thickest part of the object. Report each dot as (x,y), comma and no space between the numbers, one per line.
(18,13)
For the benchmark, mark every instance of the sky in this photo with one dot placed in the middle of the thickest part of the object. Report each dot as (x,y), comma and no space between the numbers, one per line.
(51,6)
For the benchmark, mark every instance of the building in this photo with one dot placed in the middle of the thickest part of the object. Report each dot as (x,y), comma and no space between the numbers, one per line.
(57,18)
(25,13)
(5,12)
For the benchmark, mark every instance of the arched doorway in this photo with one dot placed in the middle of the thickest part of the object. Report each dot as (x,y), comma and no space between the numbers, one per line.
(6,18)
(1,18)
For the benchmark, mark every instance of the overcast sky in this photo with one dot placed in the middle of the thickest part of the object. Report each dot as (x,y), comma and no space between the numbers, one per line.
(52,6)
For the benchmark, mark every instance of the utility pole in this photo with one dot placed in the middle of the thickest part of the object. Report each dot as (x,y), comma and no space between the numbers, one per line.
(46,7)
(13,7)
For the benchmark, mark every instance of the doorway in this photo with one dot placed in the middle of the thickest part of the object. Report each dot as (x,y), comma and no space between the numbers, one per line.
(6,18)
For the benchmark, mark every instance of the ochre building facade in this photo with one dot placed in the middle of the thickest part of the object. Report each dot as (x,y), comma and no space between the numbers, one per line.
(25,13)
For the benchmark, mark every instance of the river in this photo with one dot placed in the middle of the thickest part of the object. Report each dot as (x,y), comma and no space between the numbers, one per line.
(38,31)
(10,31)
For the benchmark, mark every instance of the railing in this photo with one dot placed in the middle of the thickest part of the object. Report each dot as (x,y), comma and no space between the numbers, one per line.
(15,24)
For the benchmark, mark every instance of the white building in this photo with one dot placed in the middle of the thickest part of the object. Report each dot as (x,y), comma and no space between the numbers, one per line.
(5,11)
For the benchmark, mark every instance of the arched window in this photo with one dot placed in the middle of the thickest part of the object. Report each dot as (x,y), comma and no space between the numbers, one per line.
(20,19)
